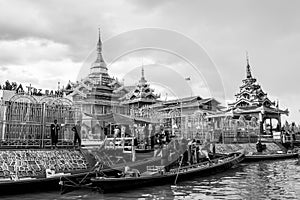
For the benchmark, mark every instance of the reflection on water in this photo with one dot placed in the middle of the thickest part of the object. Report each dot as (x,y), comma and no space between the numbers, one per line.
(268,180)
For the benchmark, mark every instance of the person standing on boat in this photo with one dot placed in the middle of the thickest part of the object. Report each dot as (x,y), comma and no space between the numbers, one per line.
(77,130)
(54,133)
(164,157)
(157,145)
(294,130)
(259,147)
(184,151)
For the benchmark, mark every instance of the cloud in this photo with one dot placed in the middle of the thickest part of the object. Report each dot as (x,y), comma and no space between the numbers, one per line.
(43,74)
(31,50)
(3,68)
(269,30)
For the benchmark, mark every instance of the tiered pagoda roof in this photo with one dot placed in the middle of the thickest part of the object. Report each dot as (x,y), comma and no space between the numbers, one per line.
(98,86)
(142,93)
(251,93)
(98,70)
(252,99)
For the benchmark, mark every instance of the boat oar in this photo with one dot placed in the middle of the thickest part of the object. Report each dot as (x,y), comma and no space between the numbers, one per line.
(178,170)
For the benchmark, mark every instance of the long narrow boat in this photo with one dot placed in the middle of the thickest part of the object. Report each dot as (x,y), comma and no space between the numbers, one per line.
(28,185)
(43,182)
(37,184)
(107,184)
(276,156)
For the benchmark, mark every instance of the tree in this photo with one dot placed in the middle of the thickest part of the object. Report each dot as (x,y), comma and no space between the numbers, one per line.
(14,85)
(7,85)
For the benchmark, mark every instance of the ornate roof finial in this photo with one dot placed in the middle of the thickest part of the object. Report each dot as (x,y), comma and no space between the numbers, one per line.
(143,73)
(99,48)
(143,80)
(248,70)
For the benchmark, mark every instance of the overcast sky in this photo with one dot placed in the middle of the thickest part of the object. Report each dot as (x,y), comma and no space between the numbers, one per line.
(43,42)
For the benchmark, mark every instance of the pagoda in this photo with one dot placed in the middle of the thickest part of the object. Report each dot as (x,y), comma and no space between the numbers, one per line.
(142,95)
(251,93)
(251,101)
(97,94)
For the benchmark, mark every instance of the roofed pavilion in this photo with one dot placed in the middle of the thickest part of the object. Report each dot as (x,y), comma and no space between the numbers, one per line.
(252,101)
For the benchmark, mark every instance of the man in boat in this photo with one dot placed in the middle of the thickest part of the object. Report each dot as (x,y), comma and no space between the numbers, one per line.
(204,151)
(259,147)
(184,151)
(191,150)
(77,130)
(157,145)
(128,172)
(54,133)
(164,157)
(294,131)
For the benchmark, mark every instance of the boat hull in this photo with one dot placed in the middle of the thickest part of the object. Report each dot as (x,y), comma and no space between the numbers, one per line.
(261,157)
(116,184)
(36,185)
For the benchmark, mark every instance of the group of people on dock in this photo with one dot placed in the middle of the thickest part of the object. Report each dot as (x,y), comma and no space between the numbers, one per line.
(289,132)
(55,128)
(181,151)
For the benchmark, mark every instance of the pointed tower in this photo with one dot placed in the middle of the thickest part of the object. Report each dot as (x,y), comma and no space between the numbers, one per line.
(251,93)
(98,70)
(142,80)
(142,94)
(248,72)
(253,103)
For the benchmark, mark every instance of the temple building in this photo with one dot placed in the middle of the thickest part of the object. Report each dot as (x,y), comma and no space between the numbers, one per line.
(251,93)
(252,101)
(250,117)
(97,94)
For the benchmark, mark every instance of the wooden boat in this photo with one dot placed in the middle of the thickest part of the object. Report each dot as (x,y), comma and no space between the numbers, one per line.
(54,183)
(149,178)
(276,156)
(46,180)
(26,185)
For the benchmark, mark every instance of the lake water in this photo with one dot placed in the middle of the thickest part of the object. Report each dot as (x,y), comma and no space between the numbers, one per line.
(262,180)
